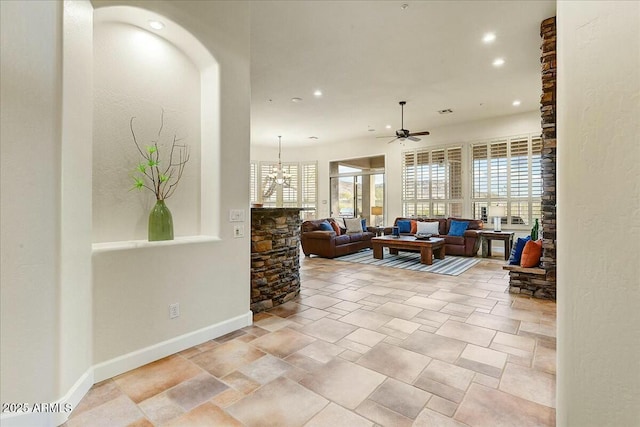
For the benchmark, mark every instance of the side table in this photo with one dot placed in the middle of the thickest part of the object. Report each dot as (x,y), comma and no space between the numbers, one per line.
(377,229)
(487,236)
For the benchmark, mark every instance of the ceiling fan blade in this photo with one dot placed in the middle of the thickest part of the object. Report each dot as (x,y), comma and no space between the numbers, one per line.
(419,133)
(392,140)
(386,136)
(413,138)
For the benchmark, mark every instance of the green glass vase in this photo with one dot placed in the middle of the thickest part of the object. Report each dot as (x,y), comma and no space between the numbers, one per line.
(160,222)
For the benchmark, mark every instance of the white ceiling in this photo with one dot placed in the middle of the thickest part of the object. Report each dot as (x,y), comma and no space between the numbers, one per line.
(366,56)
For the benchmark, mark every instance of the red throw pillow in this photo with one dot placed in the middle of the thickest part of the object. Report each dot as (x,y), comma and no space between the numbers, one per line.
(335,227)
(414,227)
(531,254)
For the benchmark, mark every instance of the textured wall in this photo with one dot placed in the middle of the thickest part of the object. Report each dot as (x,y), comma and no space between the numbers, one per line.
(157,76)
(31,77)
(598,214)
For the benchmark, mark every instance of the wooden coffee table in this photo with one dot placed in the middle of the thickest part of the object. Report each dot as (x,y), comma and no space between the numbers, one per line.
(428,248)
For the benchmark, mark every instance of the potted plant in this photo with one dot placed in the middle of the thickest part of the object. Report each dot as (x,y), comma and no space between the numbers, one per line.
(160,175)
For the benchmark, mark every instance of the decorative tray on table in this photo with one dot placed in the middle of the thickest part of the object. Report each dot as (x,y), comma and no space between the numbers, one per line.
(423,236)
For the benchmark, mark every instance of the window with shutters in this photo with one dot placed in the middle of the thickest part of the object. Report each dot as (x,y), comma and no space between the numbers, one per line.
(300,191)
(432,182)
(309,189)
(507,172)
(253,182)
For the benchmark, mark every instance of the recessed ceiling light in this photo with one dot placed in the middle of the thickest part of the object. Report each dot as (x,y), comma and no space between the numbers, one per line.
(371,130)
(388,126)
(516,103)
(498,62)
(156,25)
(445,111)
(313,137)
(404,6)
(296,99)
(317,93)
(489,37)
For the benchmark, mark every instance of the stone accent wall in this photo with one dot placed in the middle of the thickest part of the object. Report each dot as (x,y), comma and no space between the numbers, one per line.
(545,286)
(275,256)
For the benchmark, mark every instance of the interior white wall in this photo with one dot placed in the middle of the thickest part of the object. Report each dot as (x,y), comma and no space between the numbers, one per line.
(138,74)
(46,264)
(209,278)
(31,85)
(516,124)
(75,326)
(598,207)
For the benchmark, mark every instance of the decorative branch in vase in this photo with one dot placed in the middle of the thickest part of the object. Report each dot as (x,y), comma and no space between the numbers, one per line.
(162,180)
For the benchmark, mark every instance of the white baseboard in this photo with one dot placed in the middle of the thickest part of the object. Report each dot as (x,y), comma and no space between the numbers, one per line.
(120,365)
(53,418)
(135,359)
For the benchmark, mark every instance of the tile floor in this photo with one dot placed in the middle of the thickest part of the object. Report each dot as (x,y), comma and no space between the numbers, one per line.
(361,346)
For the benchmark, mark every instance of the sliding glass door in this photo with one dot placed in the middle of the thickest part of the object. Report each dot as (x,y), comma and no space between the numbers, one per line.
(357,189)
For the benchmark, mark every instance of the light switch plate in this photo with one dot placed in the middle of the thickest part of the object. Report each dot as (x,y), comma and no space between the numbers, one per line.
(236,215)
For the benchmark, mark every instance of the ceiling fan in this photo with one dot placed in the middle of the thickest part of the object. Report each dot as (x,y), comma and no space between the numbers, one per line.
(403,133)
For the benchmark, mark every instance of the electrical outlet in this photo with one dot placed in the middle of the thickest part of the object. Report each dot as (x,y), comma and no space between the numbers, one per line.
(238,230)
(174,310)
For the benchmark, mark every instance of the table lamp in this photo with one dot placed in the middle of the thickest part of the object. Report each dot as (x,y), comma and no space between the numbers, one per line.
(377,212)
(497,212)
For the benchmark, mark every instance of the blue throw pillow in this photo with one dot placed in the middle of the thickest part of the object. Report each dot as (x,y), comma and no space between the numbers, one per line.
(325,226)
(364,224)
(404,226)
(516,252)
(458,228)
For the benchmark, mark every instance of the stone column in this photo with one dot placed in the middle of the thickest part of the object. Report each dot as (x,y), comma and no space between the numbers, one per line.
(544,286)
(275,256)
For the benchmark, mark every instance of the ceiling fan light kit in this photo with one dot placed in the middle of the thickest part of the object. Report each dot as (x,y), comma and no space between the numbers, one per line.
(402,134)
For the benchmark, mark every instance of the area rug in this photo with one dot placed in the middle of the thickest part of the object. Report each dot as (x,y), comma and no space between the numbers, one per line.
(450,265)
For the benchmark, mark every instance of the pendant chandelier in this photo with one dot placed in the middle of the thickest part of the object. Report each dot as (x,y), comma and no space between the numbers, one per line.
(277,176)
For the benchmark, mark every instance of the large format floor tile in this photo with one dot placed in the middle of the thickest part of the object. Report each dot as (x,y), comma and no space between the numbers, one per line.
(360,346)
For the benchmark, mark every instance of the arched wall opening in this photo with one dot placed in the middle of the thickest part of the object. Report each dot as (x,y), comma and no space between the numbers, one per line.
(148,74)
(139,73)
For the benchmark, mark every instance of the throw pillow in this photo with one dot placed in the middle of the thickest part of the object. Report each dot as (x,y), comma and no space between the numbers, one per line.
(335,227)
(414,226)
(364,224)
(340,222)
(516,252)
(354,225)
(430,227)
(458,228)
(531,254)
(404,226)
(325,226)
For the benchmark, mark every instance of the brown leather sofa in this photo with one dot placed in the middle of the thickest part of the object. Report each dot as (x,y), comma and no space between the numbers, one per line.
(465,245)
(328,244)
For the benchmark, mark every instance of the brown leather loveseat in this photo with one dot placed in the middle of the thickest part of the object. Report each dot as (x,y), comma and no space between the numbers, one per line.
(465,245)
(329,244)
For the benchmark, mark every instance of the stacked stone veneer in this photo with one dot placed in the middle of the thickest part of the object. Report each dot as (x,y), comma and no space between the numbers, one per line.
(275,256)
(544,285)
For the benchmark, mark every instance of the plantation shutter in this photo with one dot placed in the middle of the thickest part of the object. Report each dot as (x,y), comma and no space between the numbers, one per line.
(253,182)
(437,175)
(290,193)
(408,183)
(309,188)
(508,173)
(498,169)
(422,175)
(480,158)
(454,184)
